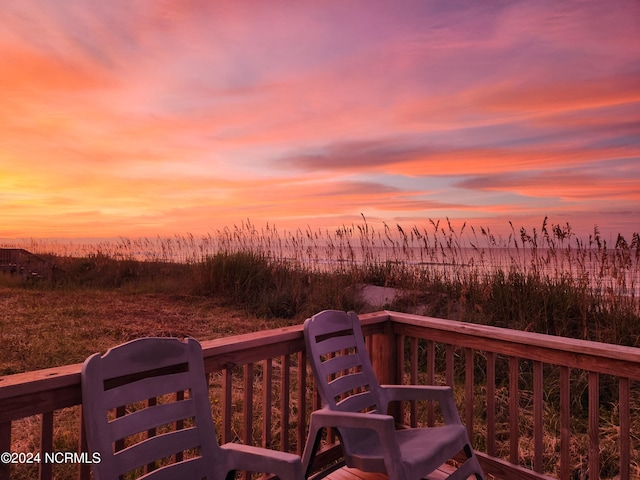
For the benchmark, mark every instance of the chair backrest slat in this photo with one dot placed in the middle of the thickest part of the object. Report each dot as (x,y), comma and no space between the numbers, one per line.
(340,363)
(151,417)
(359,402)
(349,384)
(146,388)
(336,344)
(160,446)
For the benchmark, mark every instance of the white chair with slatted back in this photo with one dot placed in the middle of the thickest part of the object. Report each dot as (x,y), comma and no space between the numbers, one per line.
(355,404)
(164,428)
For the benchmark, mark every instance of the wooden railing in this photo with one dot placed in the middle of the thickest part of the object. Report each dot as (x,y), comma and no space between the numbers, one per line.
(261,396)
(544,402)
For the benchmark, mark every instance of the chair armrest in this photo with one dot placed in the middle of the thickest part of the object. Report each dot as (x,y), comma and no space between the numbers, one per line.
(441,394)
(382,424)
(262,460)
(417,392)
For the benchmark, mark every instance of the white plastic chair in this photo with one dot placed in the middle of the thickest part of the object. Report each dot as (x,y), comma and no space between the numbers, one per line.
(173,435)
(355,404)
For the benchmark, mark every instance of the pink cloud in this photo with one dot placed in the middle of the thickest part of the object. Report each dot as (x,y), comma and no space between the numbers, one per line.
(565,185)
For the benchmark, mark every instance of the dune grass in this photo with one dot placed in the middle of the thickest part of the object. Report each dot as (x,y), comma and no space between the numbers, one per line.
(243,279)
(546,280)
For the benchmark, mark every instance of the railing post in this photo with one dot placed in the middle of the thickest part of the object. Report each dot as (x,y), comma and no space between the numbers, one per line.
(384,356)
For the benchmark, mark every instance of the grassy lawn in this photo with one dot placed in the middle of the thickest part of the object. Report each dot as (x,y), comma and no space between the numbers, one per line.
(47,328)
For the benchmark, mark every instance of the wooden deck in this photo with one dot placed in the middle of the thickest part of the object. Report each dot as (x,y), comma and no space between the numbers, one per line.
(245,370)
(20,261)
(346,473)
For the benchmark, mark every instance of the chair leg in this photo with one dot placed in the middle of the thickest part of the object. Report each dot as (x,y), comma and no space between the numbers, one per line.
(471,466)
(474,463)
(310,449)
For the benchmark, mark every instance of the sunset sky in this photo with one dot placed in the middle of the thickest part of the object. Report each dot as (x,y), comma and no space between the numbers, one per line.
(150,117)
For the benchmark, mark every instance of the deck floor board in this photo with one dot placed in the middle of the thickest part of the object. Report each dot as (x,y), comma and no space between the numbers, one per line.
(346,473)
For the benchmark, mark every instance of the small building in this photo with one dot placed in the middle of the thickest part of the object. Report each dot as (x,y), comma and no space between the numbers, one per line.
(22,262)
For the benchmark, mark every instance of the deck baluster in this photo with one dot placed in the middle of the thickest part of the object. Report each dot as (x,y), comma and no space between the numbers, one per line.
(431,379)
(84,469)
(302,402)
(227,403)
(538,410)
(46,444)
(450,350)
(565,432)
(491,403)
(267,398)
(284,405)
(247,410)
(594,426)
(514,408)
(413,378)
(468,390)
(399,374)
(624,420)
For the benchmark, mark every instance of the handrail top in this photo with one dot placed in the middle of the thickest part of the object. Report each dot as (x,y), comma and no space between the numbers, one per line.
(69,375)
(39,380)
(566,344)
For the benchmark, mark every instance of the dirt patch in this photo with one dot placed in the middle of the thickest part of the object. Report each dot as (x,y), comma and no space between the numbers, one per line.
(378,298)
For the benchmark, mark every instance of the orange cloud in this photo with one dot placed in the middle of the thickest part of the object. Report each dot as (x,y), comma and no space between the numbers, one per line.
(554,97)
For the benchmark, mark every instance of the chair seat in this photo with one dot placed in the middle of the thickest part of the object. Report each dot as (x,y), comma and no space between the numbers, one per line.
(425,449)
(417,447)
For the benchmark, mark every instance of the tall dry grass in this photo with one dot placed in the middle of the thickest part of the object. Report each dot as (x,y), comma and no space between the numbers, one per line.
(546,279)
